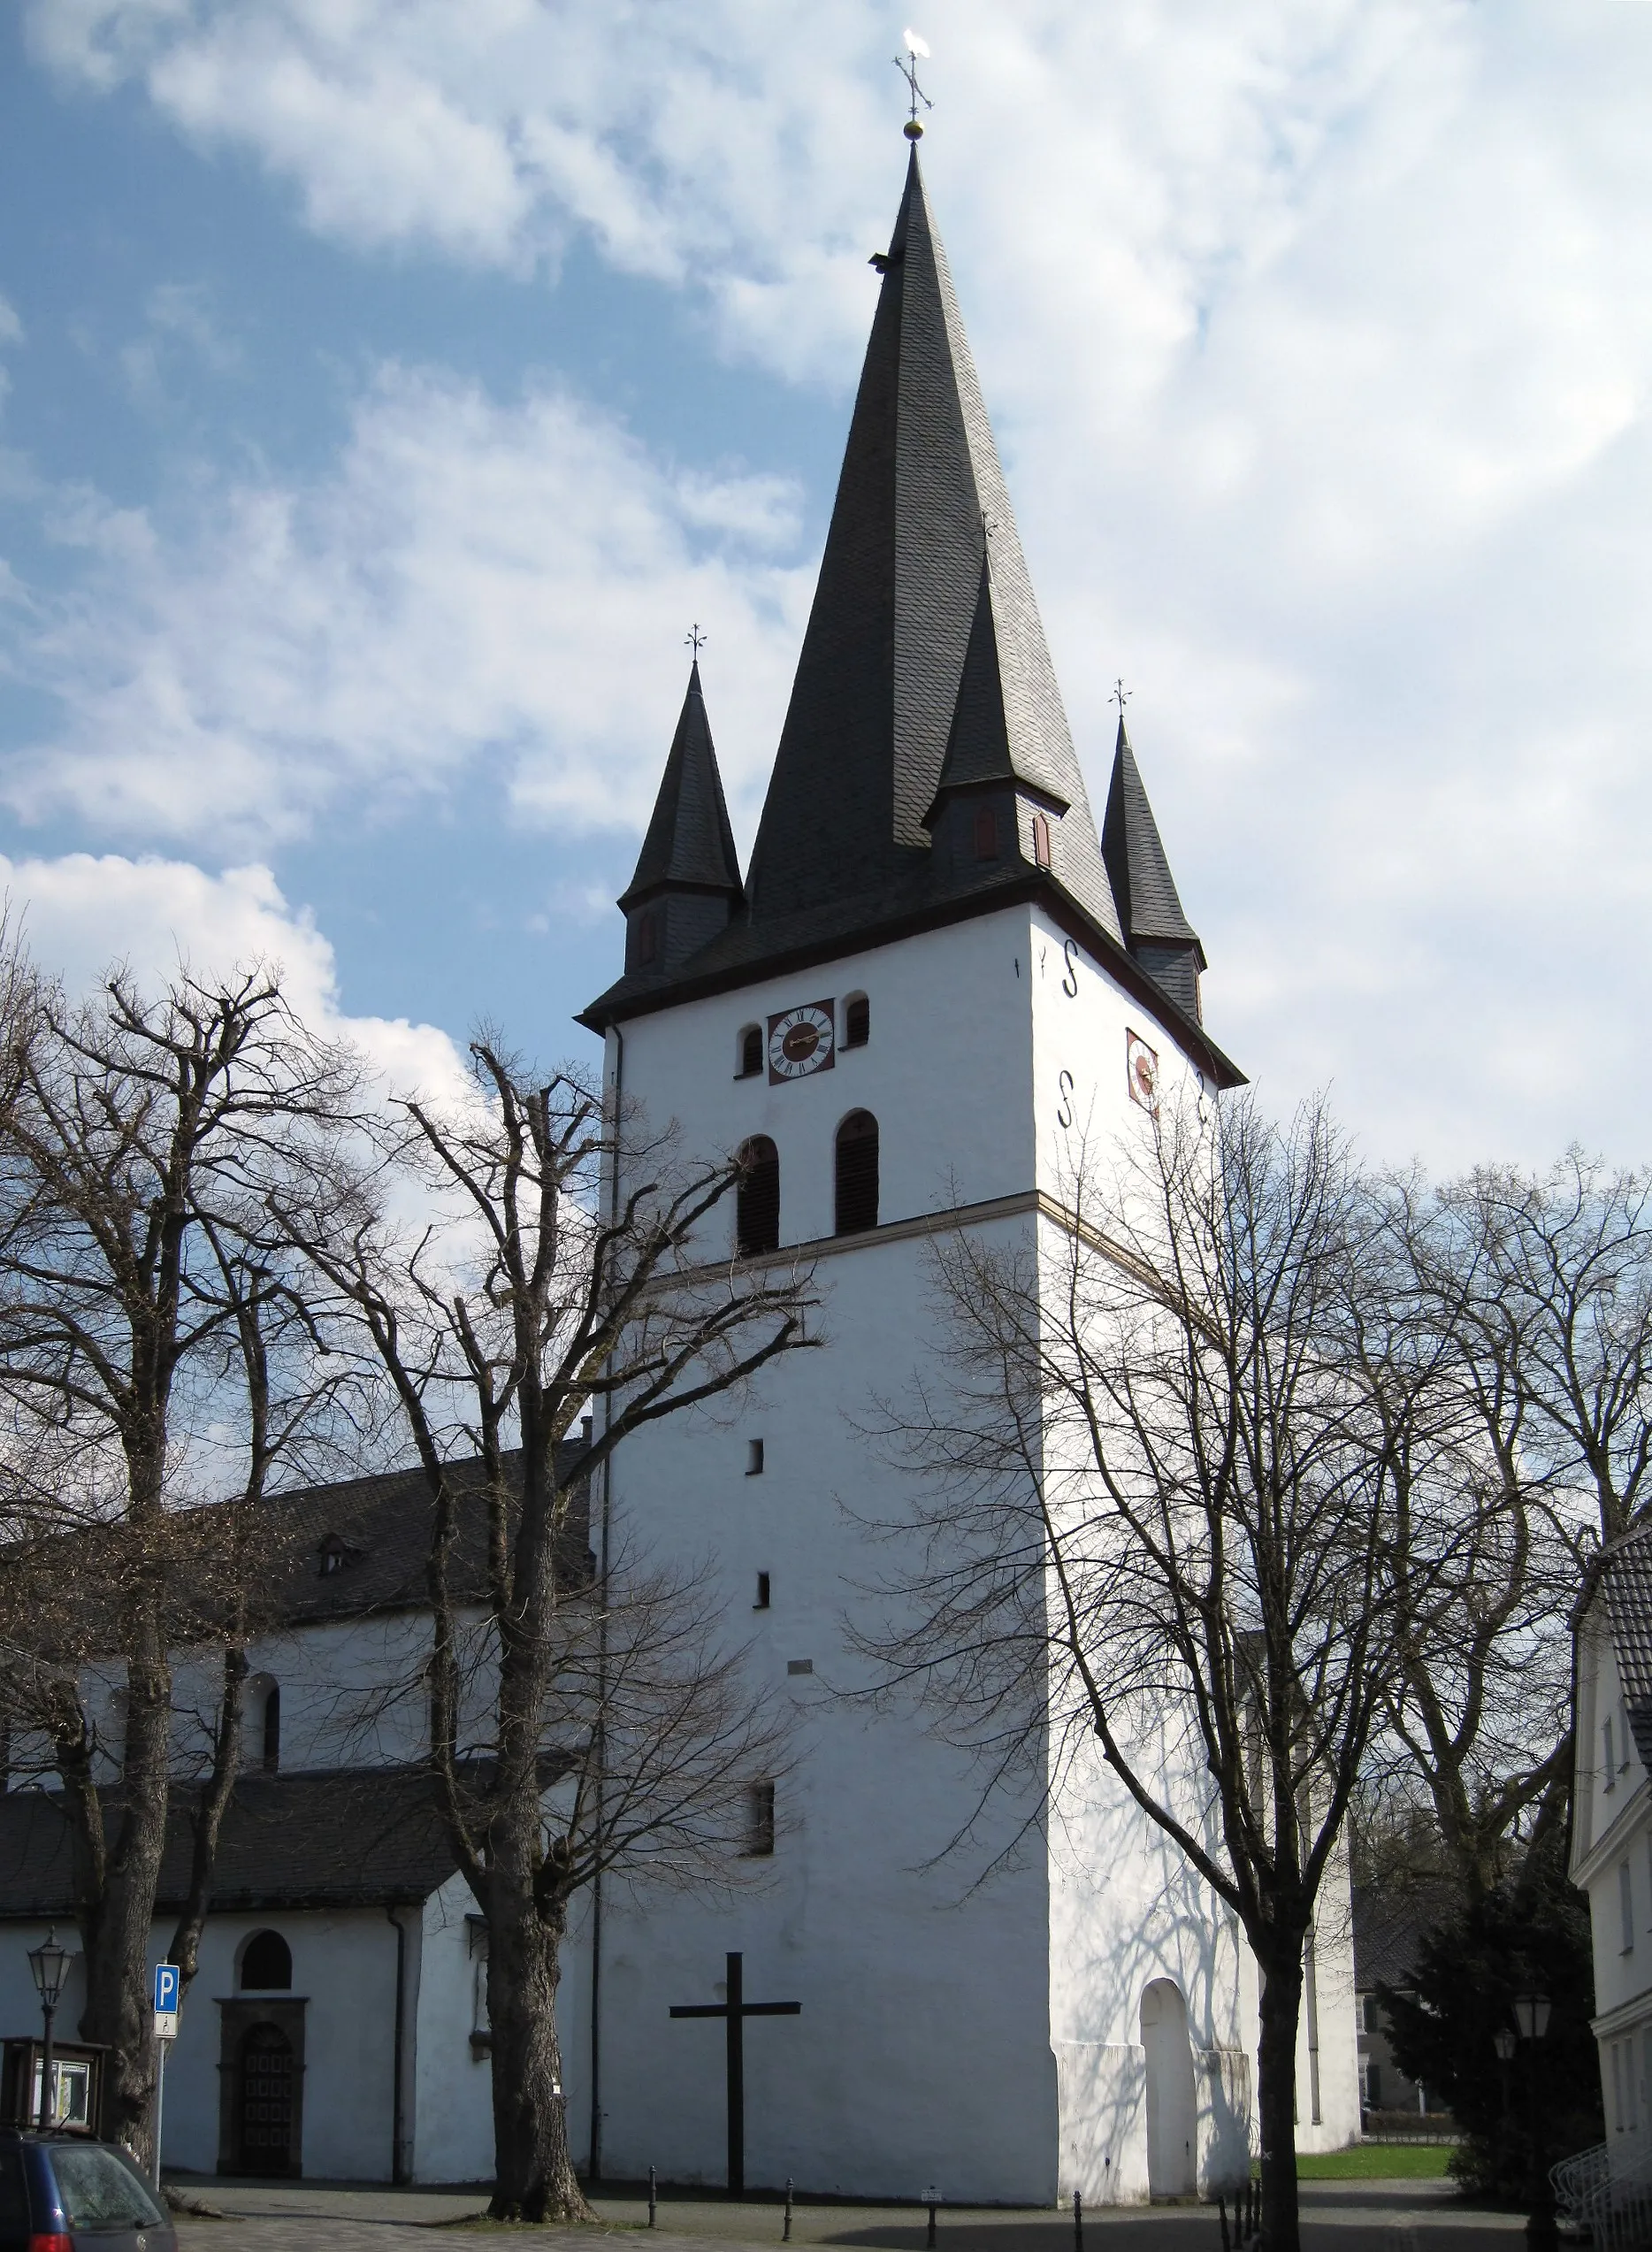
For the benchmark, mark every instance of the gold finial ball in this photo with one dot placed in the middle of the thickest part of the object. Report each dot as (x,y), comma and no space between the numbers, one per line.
(912,130)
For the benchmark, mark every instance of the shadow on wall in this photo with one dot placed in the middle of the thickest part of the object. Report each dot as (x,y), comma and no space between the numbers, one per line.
(1169,2113)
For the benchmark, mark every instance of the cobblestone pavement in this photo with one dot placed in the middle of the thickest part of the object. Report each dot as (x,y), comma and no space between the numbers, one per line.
(305,2217)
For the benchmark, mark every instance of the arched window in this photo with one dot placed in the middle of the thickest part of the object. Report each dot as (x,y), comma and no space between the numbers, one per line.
(266,1964)
(986,833)
(751,1052)
(271,1728)
(857,1173)
(857,1021)
(757,1199)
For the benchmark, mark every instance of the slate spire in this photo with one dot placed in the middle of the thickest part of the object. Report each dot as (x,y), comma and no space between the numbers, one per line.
(687,880)
(1156,930)
(921,503)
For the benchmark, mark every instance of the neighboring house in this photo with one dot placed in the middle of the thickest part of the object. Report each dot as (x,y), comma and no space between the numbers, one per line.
(1611,1822)
(936,976)
(1388,1933)
(337,2026)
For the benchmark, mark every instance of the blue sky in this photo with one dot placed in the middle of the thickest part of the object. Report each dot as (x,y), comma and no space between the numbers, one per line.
(389,383)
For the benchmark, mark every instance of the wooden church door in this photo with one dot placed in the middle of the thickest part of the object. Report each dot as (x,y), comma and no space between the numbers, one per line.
(264,2105)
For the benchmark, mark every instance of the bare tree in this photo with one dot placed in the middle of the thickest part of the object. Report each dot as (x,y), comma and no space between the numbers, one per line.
(1528,1301)
(1155,1505)
(1484,1572)
(155,1343)
(579,1718)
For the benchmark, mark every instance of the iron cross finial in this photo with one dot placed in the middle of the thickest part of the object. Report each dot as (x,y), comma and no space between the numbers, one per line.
(907,65)
(1120,696)
(695,640)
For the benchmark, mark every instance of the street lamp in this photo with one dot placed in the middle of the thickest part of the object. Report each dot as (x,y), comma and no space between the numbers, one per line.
(48,1962)
(1531,2014)
(1505,2044)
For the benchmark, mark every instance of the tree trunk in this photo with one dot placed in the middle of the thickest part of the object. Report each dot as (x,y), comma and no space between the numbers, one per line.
(116,1931)
(1276,2096)
(534,2177)
(210,1809)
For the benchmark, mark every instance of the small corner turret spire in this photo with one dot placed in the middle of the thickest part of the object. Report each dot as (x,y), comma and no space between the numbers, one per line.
(1156,930)
(687,883)
(907,65)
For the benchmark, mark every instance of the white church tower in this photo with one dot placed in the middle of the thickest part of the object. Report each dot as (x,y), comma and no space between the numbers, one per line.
(933,967)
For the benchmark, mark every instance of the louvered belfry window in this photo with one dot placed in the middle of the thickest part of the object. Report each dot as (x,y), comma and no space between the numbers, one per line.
(857,1173)
(757,1197)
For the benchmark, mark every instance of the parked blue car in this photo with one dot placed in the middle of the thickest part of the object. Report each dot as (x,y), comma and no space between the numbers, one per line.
(63,2193)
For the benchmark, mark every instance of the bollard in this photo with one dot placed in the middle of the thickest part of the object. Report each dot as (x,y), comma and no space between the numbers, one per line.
(931,2201)
(1078,2220)
(1221,2208)
(652,2200)
(785,2234)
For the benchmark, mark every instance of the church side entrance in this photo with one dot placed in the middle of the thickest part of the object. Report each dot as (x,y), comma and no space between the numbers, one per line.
(1171,2108)
(261,2088)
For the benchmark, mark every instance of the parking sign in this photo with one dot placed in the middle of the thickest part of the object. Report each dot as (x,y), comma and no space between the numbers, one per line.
(166,1983)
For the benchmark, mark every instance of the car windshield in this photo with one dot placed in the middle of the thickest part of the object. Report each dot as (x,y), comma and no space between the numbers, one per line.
(101,2189)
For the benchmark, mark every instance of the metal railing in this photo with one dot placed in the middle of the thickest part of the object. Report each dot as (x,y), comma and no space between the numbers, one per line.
(1607,2189)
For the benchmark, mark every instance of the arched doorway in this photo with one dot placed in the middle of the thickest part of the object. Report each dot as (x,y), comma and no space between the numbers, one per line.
(1172,2108)
(264,2101)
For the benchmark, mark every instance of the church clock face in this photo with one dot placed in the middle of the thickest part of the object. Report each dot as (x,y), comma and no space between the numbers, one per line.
(1140,1070)
(801,1041)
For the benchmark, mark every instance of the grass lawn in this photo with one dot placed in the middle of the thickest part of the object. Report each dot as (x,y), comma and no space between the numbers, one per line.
(1377,2161)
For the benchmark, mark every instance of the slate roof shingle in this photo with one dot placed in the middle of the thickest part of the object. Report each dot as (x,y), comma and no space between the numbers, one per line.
(922,567)
(689,842)
(352,1837)
(1626,1578)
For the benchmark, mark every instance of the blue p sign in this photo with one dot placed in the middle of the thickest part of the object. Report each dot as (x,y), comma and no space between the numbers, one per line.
(165,1988)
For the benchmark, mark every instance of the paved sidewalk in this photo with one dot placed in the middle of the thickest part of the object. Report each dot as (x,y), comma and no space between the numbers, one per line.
(312,2217)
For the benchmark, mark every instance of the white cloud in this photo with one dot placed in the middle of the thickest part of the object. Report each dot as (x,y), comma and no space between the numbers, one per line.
(11,325)
(1320,336)
(179,322)
(473,583)
(80,912)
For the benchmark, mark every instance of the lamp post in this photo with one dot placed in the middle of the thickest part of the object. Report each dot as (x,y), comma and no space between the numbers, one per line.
(1531,2014)
(1505,2043)
(48,1962)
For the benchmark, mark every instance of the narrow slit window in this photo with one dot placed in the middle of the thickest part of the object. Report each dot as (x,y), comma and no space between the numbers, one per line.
(857,1174)
(753,1457)
(1627,1906)
(857,1021)
(986,833)
(647,937)
(760,1821)
(757,1199)
(751,1053)
(762,1603)
(1041,840)
(1608,1761)
(271,1729)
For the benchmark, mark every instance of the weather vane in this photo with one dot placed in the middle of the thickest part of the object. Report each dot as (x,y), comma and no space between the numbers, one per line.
(695,640)
(1120,696)
(907,65)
